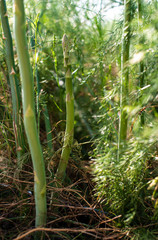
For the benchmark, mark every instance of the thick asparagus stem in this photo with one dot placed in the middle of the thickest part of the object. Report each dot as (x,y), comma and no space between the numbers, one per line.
(124,90)
(69,132)
(29,113)
(141,64)
(124,95)
(125,70)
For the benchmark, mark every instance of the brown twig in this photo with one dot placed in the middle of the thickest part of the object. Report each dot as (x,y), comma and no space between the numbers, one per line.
(56,230)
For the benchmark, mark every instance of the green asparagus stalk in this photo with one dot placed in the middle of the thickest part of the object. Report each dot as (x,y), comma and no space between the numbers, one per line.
(13,81)
(124,92)
(29,113)
(141,64)
(69,132)
(124,95)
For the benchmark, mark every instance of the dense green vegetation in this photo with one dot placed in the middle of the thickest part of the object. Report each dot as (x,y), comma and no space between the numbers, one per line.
(88,134)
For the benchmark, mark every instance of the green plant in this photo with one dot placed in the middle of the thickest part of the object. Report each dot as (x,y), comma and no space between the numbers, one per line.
(14,83)
(29,113)
(141,64)
(122,185)
(69,132)
(124,93)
